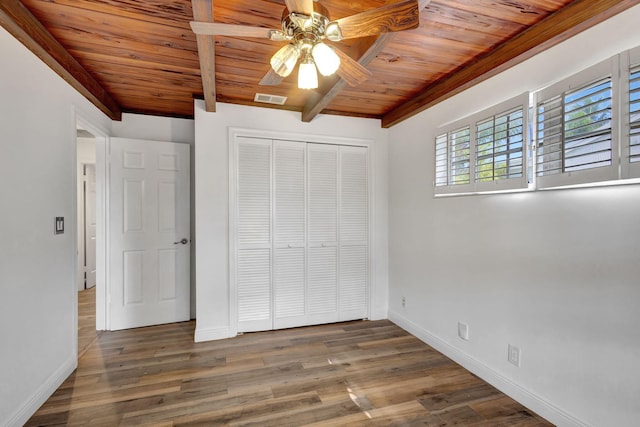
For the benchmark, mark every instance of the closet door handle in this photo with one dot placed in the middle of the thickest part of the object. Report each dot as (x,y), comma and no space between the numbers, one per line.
(184,241)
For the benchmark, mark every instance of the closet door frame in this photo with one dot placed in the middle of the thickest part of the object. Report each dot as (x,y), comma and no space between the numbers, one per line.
(234,134)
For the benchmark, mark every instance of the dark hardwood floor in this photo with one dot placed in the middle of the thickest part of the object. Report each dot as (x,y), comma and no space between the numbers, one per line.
(355,373)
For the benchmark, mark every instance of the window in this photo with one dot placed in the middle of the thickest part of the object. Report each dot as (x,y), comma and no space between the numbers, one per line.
(483,152)
(584,129)
(574,130)
(499,142)
(634,114)
(453,157)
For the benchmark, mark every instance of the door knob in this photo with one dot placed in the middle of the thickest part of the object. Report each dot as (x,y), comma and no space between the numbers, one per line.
(184,241)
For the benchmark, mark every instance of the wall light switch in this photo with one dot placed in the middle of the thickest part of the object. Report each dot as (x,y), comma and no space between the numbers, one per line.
(59,225)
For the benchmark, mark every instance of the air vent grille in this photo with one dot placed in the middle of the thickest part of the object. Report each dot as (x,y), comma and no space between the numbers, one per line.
(270,99)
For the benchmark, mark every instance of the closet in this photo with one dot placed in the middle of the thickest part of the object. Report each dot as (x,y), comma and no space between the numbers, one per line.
(300,233)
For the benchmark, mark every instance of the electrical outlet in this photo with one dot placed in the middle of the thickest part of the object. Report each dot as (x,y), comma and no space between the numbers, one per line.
(404,302)
(463,331)
(514,355)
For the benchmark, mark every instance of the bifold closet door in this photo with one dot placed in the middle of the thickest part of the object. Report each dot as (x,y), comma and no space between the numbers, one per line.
(301,237)
(354,233)
(289,231)
(322,237)
(253,234)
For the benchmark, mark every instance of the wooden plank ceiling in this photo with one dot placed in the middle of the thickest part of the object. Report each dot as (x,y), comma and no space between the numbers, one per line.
(144,56)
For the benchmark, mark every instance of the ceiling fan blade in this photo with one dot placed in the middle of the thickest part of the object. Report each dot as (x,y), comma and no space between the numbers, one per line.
(232,30)
(404,15)
(300,6)
(271,78)
(350,70)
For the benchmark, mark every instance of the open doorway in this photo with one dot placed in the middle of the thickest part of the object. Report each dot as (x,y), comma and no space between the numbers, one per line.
(86,235)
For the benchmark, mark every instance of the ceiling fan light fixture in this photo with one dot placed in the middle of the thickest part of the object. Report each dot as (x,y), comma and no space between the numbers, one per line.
(307,74)
(284,60)
(325,58)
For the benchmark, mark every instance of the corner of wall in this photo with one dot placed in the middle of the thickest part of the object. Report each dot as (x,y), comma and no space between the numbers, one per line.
(529,399)
(42,393)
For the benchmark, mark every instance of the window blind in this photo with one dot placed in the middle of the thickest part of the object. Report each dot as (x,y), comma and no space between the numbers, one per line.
(453,157)
(634,114)
(499,141)
(574,129)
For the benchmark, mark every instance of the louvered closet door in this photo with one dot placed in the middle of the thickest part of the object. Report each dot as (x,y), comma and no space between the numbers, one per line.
(354,233)
(289,222)
(253,244)
(322,236)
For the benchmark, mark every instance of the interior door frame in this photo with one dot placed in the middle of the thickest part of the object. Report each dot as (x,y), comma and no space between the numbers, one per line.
(102,221)
(234,133)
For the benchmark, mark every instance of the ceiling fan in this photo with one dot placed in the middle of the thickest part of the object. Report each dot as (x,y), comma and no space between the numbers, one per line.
(306,25)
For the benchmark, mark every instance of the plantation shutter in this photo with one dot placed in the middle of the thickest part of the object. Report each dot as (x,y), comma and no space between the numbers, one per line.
(634,115)
(323,233)
(354,226)
(631,124)
(253,216)
(574,129)
(289,234)
(453,152)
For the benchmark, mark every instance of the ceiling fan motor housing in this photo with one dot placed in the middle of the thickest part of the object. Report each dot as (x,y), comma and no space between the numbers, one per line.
(297,26)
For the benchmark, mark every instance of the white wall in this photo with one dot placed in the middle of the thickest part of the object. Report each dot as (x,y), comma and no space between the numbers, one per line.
(37,288)
(154,128)
(555,273)
(212,200)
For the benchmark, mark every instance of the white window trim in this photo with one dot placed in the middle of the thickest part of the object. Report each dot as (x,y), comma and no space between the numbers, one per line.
(499,185)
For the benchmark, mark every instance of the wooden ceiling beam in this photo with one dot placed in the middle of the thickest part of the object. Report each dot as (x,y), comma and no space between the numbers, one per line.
(556,28)
(203,11)
(18,21)
(363,51)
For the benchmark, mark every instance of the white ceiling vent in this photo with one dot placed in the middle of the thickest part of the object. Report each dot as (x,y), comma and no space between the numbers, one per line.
(270,99)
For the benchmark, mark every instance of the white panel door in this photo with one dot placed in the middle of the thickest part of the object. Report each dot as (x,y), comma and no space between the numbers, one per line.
(322,237)
(148,233)
(90,226)
(354,231)
(254,234)
(289,222)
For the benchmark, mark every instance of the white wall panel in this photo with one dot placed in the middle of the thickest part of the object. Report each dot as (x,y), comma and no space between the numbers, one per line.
(552,272)
(37,267)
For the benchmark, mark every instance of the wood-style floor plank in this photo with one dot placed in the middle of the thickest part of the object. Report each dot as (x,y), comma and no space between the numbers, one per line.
(346,374)
(87,333)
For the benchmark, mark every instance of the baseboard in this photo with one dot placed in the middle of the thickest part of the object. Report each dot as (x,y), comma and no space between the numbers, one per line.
(530,400)
(46,389)
(210,334)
